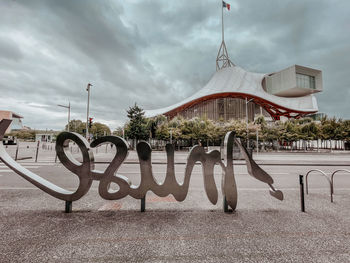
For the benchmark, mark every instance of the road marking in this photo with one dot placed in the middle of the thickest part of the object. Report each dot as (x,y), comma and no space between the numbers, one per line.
(111,206)
(38,163)
(239,189)
(267,172)
(157,199)
(28,167)
(5,171)
(194,172)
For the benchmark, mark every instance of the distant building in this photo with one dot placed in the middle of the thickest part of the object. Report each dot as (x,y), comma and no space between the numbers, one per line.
(16,123)
(234,93)
(45,137)
(288,93)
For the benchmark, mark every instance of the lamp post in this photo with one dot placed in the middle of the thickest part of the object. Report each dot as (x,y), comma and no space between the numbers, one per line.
(87,111)
(67,107)
(246,115)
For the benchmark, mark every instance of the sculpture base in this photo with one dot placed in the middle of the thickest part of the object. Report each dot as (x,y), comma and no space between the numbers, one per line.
(143,204)
(226,207)
(68,207)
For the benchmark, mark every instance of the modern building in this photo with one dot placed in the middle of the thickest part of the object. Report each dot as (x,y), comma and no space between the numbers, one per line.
(45,137)
(234,93)
(16,123)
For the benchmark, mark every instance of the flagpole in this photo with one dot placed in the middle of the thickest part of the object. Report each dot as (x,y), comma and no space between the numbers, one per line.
(222,20)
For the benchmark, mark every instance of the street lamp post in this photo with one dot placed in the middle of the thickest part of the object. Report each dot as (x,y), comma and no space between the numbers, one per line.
(67,107)
(246,114)
(87,111)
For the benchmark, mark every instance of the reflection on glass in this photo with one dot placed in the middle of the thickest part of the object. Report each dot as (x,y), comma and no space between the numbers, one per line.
(305,81)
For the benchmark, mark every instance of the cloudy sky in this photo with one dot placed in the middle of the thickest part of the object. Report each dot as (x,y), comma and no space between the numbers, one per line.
(157,52)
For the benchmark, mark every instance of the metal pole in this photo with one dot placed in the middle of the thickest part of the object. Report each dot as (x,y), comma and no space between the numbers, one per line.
(17,151)
(87,111)
(68,115)
(247,120)
(302,198)
(67,107)
(222,20)
(37,152)
(246,113)
(257,140)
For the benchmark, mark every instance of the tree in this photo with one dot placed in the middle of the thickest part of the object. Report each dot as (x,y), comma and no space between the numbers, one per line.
(99,129)
(137,128)
(118,132)
(28,135)
(76,126)
(346,130)
(154,123)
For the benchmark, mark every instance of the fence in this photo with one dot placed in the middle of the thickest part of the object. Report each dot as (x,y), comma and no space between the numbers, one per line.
(36,151)
(40,151)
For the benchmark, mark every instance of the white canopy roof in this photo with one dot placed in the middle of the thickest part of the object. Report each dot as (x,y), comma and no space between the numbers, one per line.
(237,80)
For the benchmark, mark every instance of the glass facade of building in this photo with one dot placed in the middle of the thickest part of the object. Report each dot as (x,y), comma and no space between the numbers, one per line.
(223,109)
(305,81)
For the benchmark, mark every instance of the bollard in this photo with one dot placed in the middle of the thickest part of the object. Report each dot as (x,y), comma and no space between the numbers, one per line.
(302,199)
(56,158)
(37,152)
(106,147)
(68,207)
(17,151)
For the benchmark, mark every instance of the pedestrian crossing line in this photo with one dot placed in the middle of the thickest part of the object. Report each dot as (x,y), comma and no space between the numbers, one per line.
(33,164)
(239,189)
(25,166)
(6,171)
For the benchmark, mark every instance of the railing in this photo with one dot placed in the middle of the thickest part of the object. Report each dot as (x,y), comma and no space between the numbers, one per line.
(330,179)
(335,172)
(36,152)
(322,173)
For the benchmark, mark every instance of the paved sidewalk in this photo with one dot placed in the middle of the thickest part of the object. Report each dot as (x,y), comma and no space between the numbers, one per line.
(261,230)
(34,228)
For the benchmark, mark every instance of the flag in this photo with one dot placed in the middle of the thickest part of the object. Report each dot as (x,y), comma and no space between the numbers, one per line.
(224,4)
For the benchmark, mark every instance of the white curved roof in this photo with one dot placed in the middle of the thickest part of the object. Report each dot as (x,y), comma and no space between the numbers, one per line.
(237,80)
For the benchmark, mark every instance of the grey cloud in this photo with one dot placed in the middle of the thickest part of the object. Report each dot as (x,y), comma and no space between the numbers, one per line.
(9,50)
(157,52)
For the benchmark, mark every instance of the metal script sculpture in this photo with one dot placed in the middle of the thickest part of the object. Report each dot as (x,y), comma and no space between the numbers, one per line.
(86,172)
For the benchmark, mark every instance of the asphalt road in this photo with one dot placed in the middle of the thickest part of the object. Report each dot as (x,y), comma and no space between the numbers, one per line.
(34,228)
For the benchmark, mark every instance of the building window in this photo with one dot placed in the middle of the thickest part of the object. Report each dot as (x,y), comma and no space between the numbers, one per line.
(305,81)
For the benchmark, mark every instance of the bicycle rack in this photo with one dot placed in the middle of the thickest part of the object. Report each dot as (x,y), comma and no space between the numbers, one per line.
(332,176)
(325,175)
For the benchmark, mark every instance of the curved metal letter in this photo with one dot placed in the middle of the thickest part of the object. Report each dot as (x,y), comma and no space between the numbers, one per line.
(170,185)
(86,173)
(107,177)
(43,184)
(257,172)
(228,185)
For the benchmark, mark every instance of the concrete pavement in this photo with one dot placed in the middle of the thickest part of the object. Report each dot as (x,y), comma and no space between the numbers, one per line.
(34,228)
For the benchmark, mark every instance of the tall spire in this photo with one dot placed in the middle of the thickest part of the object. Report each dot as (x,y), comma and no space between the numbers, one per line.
(222,60)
